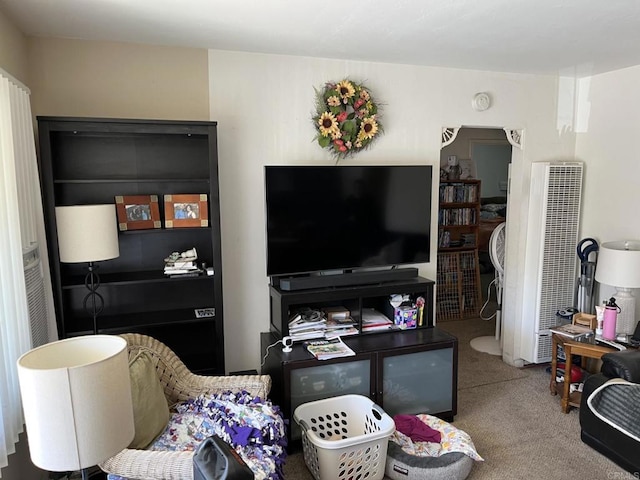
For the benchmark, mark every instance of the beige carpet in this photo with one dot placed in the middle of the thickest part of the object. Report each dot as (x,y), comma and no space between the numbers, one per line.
(515,423)
(473,368)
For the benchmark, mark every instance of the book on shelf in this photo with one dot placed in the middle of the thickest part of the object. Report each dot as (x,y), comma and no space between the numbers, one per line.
(373,320)
(340,322)
(570,330)
(308,335)
(190,264)
(326,349)
(341,332)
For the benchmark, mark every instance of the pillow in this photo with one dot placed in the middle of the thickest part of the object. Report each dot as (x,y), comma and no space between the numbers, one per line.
(150,408)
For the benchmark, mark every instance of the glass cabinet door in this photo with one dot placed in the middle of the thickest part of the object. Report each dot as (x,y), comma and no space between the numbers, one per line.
(419,382)
(324,381)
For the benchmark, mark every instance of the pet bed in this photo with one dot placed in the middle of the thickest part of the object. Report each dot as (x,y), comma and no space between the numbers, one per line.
(451,459)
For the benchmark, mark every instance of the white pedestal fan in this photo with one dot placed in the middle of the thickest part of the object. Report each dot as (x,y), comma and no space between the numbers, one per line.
(488,344)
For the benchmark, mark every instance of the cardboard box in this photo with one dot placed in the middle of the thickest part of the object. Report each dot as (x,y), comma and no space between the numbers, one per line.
(336,313)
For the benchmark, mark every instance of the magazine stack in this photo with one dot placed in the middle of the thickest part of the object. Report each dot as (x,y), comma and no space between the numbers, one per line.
(182,264)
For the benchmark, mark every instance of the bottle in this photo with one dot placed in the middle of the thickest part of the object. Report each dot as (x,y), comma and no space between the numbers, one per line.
(600,318)
(610,317)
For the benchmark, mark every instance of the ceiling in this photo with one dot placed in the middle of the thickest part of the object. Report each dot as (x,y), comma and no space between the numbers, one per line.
(551,37)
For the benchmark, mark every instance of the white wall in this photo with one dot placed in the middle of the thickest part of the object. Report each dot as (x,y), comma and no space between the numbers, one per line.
(610,148)
(263,104)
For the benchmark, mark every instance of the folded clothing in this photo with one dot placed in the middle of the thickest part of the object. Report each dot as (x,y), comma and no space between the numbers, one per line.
(415,429)
(452,440)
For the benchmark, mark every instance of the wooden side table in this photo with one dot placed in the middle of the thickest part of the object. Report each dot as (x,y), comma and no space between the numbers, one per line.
(571,347)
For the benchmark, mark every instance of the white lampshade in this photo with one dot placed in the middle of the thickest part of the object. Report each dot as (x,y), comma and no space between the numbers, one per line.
(619,264)
(87,233)
(76,396)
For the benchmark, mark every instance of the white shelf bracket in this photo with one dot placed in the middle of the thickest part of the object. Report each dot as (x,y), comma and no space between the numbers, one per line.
(514,137)
(449,134)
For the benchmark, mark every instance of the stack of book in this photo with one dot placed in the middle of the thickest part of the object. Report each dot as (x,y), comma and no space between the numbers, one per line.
(339,322)
(468,239)
(181,265)
(572,331)
(341,328)
(305,327)
(373,321)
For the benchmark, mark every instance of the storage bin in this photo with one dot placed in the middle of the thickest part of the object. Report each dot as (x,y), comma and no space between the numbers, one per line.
(405,317)
(344,437)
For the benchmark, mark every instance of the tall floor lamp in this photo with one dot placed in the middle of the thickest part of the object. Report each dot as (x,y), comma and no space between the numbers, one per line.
(76,396)
(619,266)
(88,234)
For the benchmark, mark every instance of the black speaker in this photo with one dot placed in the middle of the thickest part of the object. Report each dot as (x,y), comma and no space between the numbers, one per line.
(347,279)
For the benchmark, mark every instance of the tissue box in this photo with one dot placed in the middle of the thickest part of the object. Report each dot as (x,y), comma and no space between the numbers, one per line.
(405,317)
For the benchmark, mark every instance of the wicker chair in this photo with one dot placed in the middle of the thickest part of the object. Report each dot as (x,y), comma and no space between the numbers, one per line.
(179,385)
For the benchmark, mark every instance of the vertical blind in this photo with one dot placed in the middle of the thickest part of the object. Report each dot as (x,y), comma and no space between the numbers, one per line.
(21,224)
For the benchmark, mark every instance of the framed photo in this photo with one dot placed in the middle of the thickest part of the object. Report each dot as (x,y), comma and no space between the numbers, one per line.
(467,169)
(186,210)
(137,212)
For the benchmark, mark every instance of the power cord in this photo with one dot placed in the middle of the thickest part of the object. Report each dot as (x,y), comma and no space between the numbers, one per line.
(266,353)
(287,343)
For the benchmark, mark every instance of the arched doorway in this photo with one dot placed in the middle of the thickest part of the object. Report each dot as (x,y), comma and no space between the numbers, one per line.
(485,154)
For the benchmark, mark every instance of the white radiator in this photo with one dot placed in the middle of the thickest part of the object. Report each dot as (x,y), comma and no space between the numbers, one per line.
(551,260)
(36,299)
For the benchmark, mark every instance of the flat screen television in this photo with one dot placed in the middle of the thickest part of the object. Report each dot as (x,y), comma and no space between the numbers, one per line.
(324,218)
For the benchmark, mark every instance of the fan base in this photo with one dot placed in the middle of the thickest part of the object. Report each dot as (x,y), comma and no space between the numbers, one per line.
(486,345)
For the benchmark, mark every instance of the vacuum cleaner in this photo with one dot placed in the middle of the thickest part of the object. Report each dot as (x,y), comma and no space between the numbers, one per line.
(588,255)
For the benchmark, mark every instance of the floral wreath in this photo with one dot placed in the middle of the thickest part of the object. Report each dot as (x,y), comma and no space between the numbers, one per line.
(346,118)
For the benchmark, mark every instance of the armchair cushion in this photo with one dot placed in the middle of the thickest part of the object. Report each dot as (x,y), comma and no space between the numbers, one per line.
(150,408)
(624,364)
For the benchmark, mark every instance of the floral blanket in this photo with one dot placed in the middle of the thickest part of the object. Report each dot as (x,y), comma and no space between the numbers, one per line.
(452,440)
(253,427)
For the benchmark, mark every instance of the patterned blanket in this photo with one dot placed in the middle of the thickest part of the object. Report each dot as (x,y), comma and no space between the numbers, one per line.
(253,427)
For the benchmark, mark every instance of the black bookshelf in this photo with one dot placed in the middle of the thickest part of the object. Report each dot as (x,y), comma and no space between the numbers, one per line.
(92,160)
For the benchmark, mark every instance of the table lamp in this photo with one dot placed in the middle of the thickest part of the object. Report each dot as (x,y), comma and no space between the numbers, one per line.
(88,234)
(619,266)
(76,396)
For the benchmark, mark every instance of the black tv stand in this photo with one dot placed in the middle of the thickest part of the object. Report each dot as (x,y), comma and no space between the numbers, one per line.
(344,279)
(285,304)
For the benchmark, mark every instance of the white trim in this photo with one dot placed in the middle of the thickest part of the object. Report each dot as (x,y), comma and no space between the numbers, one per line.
(613,381)
(14,80)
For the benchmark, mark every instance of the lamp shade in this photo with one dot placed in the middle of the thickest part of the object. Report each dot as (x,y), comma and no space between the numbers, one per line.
(87,233)
(76,396)
(619,264)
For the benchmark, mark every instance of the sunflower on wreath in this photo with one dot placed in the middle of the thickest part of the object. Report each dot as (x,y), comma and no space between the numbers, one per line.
(346,118)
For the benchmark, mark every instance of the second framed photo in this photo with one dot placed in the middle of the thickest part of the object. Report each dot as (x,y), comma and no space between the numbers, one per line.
(137,212)
(186,210)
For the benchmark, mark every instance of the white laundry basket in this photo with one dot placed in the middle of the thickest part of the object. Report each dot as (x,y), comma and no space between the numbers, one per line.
(344,437)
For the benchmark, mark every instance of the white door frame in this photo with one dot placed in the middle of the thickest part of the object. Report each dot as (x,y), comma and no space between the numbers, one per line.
(516,207)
